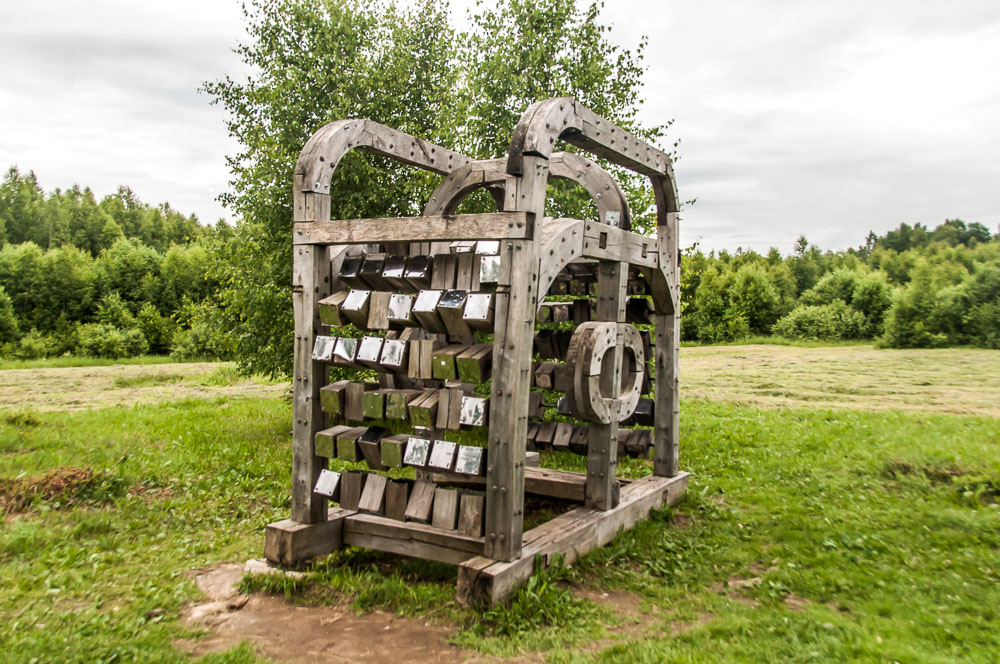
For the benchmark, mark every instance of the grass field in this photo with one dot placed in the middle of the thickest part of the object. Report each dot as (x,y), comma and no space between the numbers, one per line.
(840,509)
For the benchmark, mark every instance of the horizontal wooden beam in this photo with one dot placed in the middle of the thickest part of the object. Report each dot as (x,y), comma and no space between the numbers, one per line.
(545,482)
(408,538)
(606,242)
(488,226)
(485,581)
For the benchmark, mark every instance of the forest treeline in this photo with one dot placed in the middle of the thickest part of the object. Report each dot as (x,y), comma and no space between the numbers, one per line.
(108,278)
(118,278)
(913,287)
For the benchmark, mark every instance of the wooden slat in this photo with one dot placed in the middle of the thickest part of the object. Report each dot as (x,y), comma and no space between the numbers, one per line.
(487,226)
(545,482)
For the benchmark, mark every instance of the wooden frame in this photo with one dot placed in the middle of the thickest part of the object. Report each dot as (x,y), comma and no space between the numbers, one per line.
(533,252)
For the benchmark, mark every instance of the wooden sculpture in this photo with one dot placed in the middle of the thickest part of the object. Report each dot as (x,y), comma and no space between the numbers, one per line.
(447,302)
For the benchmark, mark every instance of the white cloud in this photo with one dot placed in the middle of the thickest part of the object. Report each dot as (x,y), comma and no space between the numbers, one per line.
(823,118)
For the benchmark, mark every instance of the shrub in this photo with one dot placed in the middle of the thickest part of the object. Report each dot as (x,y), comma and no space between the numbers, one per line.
(158,330)
(9,328)
(909,323)
(33,346)
(822,322)
(102,340)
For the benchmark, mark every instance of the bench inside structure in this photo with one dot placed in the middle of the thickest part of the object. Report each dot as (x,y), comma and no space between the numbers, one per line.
(563,316)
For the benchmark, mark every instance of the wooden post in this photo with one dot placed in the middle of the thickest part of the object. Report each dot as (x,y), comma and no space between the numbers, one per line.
(310,283)
(666,437)
(516,302)
(602,450)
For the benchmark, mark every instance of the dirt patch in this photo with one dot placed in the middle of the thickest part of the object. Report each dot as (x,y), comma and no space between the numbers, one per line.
(82,388)
(287,633)
(736,589)
(678,627)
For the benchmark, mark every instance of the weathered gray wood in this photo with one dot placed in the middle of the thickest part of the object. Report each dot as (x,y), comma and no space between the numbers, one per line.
(290,542)
(470,514)
(566,119)
(569,536)
(421,502)
(397,493)
(351,486)
(542,482)
(602,449)
(486,226)
(409,538)
(311,283)
(516,301)
(445,513)
(373,495)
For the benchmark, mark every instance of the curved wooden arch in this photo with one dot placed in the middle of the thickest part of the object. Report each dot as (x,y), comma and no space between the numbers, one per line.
(323,151)
(604,191)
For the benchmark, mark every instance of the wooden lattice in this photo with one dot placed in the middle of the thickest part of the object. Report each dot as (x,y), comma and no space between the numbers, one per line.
(452,304)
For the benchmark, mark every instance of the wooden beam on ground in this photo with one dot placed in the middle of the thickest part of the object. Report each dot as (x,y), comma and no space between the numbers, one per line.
(290,542)
(570,535)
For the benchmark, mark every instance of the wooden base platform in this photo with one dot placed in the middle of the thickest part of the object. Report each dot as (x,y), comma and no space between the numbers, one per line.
(481,580)
(570,535)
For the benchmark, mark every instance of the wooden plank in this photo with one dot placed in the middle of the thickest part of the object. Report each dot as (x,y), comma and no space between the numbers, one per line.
(397,492)
(378,310)
(470,514)
(445,514)
(290,542)
(569,536)
(373,495)
(409,539)
(484,226)
(421,502)
(543,482)
(351,485)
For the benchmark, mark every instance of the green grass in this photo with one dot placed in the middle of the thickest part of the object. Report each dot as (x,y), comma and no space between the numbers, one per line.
(807,535)
(77,361)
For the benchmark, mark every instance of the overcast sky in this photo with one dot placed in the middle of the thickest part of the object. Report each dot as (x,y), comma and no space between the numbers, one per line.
(822,118)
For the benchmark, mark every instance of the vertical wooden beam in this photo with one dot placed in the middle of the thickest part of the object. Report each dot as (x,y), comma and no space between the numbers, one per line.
(602,449)
(667,353)
(516,302)
(311,281)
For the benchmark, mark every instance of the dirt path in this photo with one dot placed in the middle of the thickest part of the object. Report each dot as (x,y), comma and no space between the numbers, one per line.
(81,388)
(284,632)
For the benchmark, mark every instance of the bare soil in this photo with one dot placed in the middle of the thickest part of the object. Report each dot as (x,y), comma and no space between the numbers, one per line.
(284,632)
